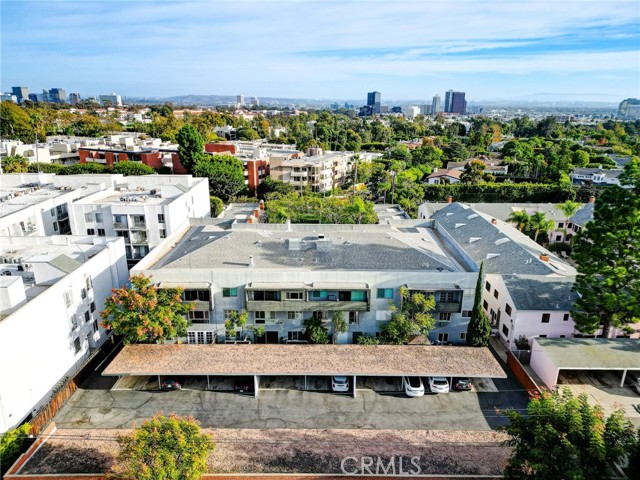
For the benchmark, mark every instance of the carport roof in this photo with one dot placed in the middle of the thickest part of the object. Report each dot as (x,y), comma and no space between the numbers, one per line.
(592,353)
(378,360)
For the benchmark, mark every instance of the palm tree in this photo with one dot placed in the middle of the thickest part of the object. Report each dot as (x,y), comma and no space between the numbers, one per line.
(339,325)
(539,224)
(521,219)
(569,208)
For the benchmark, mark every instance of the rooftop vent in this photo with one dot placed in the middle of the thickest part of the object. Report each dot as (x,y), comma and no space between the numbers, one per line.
(502,240)
(293,244)
(474,239)
(473,215)
(492,255)
(458,225)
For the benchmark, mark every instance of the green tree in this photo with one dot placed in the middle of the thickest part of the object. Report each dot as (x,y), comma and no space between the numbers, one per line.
(80,168)
(143,313)
(539,223)
(14,164)
(474,172)
(132,168)
(399,328)
(414,317)
(607,251)
(45,168)
(316,331)
(569,208)
(15,123)
(11,442)
(269,185)
(521,218)
(340,325)
(247,133)
(190,146)
(479,328)
(563,437)
(237,319)
(225,173)
(217,206)
(164,448)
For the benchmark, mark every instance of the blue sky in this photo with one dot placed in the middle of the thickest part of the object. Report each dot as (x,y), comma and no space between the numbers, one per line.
(328,49)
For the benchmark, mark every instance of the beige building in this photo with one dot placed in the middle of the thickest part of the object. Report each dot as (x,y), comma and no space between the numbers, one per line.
(320,173)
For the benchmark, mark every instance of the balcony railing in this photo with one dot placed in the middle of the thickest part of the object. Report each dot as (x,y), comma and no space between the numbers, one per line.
(306,306)
(453,307)
(139,225)
(120,225)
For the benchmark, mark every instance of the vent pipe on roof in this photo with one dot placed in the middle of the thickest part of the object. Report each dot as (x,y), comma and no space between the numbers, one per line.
(592,199)
(288,223)
(449,199)
(494,221)
(544,258)
(251,262)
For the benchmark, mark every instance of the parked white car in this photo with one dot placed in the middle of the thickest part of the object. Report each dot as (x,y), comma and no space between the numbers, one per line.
(438,385)
(339,383)
(413,386)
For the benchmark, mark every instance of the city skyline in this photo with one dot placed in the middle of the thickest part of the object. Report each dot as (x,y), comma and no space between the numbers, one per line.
(407,50)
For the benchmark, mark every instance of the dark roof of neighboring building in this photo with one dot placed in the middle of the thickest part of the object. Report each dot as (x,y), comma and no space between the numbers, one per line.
(272,359)
(584,215)
(538,292)
(502,211)
(501,247)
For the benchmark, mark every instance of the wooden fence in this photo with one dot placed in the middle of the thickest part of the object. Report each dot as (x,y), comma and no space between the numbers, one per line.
(46,414)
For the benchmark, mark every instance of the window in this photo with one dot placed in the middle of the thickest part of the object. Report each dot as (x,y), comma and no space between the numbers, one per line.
(385,293)
(354,317)
(139,221)
(161,218)
(101,232)
(495,293)
(546,317)
(198,316)
(294,315)
(565,317)
(485,304)
(229,292)
(87,316)
(228,313)
(123,233)
(296,336)
(444,316)
(264,317)
(268,295)
(463,336)
(68,298)
(120,221)
(89,282)
(358,296)
(163,233)
(53,212)
(76,344)
(294,295)
(563,336)
(74,321)
(95,326)
(560,224)
(505,331)
(91,231)
(197,295)
(447,297)
(98,217)
(83,293)
(93,307)
(487,286)
(191,337)
(319,294)
(507,308)
(55,226)
(466,313)
(542,336)
(443,337)
(88,217)
(570,225)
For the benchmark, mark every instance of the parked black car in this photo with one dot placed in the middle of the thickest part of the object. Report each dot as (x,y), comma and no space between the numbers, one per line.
(463,384)
(170,385)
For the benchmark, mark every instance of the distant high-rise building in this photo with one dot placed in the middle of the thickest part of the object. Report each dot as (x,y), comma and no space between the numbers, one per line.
(436,104)
(458,103)
(21,93)
(112,99)
(240,100)
(255,101)
(57,95)
(447,100)
(629,109)
(33,97)
(373,101)
(427,109)
(74,98)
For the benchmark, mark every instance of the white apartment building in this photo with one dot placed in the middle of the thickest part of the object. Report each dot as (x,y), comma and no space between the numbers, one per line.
(51,290)
(284,274)
(112,99)
(321,172)
(142,209)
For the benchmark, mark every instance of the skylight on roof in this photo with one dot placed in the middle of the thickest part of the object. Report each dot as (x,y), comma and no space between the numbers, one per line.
(502,240)
(458,225)
(492,255)
(473,215)
(474,239)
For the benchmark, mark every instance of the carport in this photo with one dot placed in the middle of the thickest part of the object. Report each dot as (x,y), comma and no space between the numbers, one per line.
(256,360)
(550,355)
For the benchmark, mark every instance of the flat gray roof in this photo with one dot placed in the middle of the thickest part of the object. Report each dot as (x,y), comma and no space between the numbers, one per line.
(345,247)
(261,359)
(592,353)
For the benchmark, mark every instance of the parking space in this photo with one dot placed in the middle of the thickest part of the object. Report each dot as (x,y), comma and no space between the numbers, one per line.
(603,388)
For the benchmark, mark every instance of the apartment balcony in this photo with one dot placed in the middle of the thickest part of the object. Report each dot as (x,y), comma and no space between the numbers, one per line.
(139,225)
(121,225)
(307,306)
(453,307)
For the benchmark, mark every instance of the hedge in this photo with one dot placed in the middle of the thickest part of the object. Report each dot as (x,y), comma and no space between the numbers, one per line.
(501,192)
